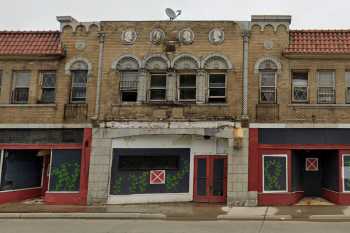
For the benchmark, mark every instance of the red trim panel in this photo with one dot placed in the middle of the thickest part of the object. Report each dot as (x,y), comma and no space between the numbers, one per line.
(275,199)
(64,199)
(20,195)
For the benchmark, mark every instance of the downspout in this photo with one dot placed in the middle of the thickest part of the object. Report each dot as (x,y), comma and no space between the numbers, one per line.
(101,37)
(244,114)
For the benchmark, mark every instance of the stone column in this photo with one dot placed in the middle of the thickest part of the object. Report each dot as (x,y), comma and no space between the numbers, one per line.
(142,87)
(201,86)
(171,86)
(244,115)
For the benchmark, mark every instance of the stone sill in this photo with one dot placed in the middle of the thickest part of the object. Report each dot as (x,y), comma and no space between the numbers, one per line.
(319,105)
(28,105)
(153,104)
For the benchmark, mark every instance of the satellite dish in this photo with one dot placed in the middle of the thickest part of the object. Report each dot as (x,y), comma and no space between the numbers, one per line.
(171,13)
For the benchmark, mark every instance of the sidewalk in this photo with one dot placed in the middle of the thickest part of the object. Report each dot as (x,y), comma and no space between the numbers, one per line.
(176,211)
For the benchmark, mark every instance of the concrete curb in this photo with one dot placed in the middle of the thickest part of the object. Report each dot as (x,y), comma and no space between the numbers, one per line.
(81,216)
(329,217)
(254,217)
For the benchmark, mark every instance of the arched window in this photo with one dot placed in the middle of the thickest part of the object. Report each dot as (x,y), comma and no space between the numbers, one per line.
(79,73)
(157,67)
(217,65)
(128,67)
(186,67)
(268,81)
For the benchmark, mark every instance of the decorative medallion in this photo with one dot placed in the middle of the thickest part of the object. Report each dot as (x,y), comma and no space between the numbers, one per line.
(268,44)
(156,36)
(80,45)
(186,36)
(216,36)
(129,36)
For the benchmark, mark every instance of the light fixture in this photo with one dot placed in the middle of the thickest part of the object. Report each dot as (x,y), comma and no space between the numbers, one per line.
(237,136)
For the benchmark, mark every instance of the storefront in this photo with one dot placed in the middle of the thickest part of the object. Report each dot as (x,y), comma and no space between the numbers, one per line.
(51,164)
(160,164)
(287,164)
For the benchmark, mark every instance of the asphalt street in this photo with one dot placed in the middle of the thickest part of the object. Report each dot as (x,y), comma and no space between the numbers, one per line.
(159,226)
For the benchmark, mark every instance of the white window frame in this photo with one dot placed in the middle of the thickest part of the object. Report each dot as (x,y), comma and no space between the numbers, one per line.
(157,88)
(260,86)
(263,173)
(347,86)
(42,72)
(319,86)
(121,73)
(307,87)
(179,88)
(14,86)
(208,86)
(343,172)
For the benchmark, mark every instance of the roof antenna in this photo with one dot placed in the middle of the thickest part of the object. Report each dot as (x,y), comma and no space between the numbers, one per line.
(171,13)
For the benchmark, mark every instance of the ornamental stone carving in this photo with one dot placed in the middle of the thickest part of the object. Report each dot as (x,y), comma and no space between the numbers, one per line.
(80,45)
(216,62)
(216,36)
(156,62)
(129,36)
(186,36)
(186,62)
(156,36)
(78,63)
(126,62)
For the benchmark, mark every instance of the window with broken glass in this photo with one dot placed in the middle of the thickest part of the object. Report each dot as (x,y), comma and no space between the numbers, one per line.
(79,84)
(157,90)
(20,92)
(217,88)
(128,86)
(326,87)
(300,87)
(48,86)
(268,86)
(187,87)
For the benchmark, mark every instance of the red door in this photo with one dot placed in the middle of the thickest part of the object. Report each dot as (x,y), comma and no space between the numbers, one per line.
(210,178)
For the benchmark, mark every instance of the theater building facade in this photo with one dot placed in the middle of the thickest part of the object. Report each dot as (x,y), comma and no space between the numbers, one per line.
(243,113)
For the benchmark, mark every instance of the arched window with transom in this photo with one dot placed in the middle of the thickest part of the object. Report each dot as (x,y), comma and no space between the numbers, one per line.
(79,73)
(268,81)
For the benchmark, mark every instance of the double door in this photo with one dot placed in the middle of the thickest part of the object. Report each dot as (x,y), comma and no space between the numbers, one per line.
(210,178)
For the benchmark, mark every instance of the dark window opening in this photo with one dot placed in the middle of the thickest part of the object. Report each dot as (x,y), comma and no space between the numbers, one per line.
(187,87)
(21,169)
(127,163)
(128,86)
(158,87)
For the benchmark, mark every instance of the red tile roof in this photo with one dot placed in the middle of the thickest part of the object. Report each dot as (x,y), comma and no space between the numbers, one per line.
(318,42)
(34,43)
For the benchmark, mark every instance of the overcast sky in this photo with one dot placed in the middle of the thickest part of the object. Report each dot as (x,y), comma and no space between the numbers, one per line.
(41,14)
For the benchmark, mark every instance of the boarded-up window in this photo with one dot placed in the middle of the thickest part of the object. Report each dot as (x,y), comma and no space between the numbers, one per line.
(275,173)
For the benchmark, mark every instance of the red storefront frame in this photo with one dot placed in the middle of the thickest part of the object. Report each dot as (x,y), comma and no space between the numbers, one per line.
(209,168)
(78,198)
(256,151)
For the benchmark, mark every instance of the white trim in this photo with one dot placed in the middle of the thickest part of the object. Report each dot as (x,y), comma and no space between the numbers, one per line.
(263,173)
(116,61)
(218,55)
(296,125)
(17,190)
(343,173)
(261,60)
(49,172)
(149,198)
(178,57)
(158,55)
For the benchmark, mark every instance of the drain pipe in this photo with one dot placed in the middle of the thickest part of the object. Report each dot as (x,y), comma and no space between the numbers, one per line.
(101,37)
